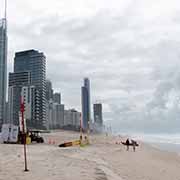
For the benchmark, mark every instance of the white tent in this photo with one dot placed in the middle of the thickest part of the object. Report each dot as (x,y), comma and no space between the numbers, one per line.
(9,133)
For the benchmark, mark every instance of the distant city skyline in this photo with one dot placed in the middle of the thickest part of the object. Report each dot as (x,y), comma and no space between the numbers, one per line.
(129,50)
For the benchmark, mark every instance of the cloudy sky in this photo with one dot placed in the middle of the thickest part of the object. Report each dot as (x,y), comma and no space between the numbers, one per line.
(128,48)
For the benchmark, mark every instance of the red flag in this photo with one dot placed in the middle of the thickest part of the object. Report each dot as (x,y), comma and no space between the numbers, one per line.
(22,105)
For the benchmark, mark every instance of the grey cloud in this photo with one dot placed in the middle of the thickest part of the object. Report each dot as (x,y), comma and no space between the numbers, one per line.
(133,63)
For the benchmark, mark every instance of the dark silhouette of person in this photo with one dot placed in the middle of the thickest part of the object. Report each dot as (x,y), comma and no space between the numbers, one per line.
(127,144)
(134,145)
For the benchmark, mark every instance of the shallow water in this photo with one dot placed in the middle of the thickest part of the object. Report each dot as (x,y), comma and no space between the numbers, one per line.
(167,147)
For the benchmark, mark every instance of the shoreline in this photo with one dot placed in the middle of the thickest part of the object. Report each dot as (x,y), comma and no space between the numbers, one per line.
(114,138)
(162,144)
(162,147)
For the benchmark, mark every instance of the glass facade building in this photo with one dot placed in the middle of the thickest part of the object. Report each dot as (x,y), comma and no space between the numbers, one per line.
(86,104)
(16,82)
(49,90)
(31,104)
(3,69)
(57,98)
(35,63)
(98,119)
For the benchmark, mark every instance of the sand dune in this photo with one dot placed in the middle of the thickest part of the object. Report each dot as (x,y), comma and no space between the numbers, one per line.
(102,160)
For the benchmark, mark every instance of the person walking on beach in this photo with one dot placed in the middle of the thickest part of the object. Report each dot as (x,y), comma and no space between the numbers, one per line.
(127,144)
(133,144)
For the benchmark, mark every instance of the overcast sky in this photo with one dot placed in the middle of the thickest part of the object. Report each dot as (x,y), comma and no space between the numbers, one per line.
(128,48)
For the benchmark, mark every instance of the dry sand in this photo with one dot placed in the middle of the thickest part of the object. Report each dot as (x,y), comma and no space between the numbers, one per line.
(102,160)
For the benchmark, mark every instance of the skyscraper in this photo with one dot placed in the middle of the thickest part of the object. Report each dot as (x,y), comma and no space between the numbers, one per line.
(86,104)
(59,115)
(35,63)
(31,101)
(72,119)
(3,66)
(98,114)
(55,115)
(57,98)
(16,82)
(49,90)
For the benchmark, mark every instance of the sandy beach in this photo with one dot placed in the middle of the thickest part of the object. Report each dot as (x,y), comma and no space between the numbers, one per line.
(101,160)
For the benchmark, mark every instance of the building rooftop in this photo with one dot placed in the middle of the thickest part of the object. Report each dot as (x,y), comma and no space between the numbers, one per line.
(27,52)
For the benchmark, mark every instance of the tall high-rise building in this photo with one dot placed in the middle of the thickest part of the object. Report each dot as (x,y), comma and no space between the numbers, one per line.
(19,78)
(98,119)
(16,82)
(55,113)
(50,113)
(3,66)
(35,63)
(49,90)
(30,96)
(59,115)
(57,98)
(72,118)
(86,104)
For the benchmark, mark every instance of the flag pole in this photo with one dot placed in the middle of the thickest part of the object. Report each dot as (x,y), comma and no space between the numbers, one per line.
(24,135)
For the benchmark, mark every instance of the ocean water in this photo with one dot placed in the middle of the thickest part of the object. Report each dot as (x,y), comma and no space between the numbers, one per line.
(166,142)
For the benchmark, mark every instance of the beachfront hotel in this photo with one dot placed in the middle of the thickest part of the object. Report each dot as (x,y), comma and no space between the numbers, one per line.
(29,73)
